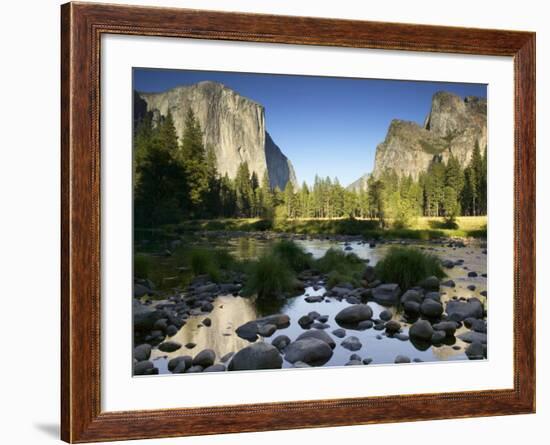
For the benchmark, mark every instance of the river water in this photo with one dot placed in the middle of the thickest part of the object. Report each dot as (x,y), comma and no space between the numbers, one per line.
(230,312)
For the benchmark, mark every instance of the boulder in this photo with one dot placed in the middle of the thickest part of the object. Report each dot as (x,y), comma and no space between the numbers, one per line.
(460,310)
(144,316)
(385,315)
(169,346)
(142,352)
(438,337)
(402,359)
(364,325)
(305,321)
(448,283)
(474,337)
(340,333)
(430,284)
(183,361)
(215,368)
(205,358)
(267,330)
(352,315)
(352,344)
(171,330)
(449,327)
(431,308)
(226,357)
(412,308)
(281,342)
(320,335)
(194,369)
(145,368)
(421,330)
(411,295)
(475,351)
(476,324)
(308,350)
(392,327)
(256,356)
(386,294)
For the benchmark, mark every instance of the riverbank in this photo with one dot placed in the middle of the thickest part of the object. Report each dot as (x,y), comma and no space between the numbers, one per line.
(421,228)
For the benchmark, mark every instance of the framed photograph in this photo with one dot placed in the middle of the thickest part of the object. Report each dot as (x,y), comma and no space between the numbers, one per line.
(275,222)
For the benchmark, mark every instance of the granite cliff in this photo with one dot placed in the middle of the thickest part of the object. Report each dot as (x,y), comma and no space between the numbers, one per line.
(234,125)
(452,127)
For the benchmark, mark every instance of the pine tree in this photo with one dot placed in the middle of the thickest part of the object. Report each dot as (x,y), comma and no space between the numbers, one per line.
(243,190)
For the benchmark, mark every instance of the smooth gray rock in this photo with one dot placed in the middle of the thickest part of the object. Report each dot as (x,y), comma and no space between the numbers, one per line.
(340,333)
(460,310)
(145,368)
(385,315)
(392,327)
(281,342)
(353,314)
(411,295)
(421,330)
(386,294)
(430,284)
(402,359)
(267,330)
(205,358)
(258,355)
(474,337)
(215,368)
(308,350)
(183,361)
(142,352)
(320,335)
(449,327)
(475,351)
(431,308)
(169,346)
(352,343)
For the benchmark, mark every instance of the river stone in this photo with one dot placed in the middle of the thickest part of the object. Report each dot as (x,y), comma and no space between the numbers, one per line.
(353,314)
(207,322)
(194,369)
(365,324)
(340,291)
(475,351)
(145,368)
(340,333)
(412,307)
(449,327)
(142,352)
(448,283)
(392,327)
(421,330)
(475,324)
(171,330)
(183,361)
(385,315)
(161,324)
(305,321)
(352,343)
(435,296)
(256,356)
(205,358)
(215,368)
(144,316)
(281,342)
(308,350)
(386,294)
(207,288)
(169,346)
(438,337)
(411,295)
(279,320)
(248,331)
(430,284)
(472,274)
(301,365)
(431,308)
(267,330)
(473,337)
(459,310)
(448,264)
(314,299)
(320,335)
(402,359)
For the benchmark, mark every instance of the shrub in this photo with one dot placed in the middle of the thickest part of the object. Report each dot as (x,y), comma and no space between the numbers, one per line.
(142,266)
(292,254)
(203,261)
(407,266)
(270,276)
(341,267)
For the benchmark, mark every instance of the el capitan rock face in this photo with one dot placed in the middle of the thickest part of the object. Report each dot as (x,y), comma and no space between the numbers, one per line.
(234,125)
(452,127)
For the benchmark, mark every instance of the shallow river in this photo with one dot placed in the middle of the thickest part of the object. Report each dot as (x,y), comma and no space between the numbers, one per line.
(230,312)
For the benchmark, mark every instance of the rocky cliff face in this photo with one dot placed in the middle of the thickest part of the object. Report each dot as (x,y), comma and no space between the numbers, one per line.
(360,185)
(234,125)
(453,126)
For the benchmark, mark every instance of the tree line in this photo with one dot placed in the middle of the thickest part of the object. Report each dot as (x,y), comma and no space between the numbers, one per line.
(176,179)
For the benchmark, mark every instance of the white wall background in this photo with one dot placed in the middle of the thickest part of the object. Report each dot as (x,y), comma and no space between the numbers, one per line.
(29,219)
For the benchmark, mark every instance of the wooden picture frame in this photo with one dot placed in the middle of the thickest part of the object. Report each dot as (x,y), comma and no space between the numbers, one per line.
(82,26)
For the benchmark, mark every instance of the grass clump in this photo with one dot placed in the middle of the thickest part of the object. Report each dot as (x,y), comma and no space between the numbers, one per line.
(142,266)
(211,262)
(408,266)
(270,276)
(292,254)
(341,267)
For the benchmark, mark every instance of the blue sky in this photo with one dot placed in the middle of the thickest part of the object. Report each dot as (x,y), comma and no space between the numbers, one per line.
(325,125)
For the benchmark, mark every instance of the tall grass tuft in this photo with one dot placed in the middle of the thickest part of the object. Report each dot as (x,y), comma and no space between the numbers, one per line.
(341,267)
(142,266)
(408,266)
(292,254)
(268,277)
(211,262)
